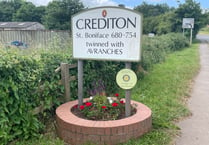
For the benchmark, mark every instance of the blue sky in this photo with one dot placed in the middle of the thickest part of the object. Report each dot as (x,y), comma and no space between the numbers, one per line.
(173,3)
(127,3)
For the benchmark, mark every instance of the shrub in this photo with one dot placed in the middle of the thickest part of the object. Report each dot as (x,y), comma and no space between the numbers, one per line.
(18,83)
(155,49)
(28,81)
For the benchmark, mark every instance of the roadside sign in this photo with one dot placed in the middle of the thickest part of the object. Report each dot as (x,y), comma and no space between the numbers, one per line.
(188,23)
(107,33)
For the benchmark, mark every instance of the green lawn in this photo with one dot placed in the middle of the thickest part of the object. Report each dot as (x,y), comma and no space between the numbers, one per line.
(164,90)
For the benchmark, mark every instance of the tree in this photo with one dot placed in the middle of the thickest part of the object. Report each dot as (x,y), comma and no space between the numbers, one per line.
(29,12)
(59,12)
(8,8)
(165,23)
(152,10)
(40,13)
(160,24)
(190,9)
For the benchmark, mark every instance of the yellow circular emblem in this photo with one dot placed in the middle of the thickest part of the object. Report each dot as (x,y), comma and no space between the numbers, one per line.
(126,79)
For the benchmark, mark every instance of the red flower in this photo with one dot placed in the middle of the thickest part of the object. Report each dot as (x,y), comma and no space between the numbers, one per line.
(116,95)
(88,104)
(104,107)
(114,104)
(76,106)
(82,107)
(122,102)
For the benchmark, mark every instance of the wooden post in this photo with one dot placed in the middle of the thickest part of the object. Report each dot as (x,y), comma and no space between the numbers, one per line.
(128,96)
(65,80)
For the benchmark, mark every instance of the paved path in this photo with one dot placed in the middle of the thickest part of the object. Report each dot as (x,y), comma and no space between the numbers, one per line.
(195,129)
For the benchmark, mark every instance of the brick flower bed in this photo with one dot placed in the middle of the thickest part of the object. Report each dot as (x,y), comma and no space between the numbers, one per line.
(76,131)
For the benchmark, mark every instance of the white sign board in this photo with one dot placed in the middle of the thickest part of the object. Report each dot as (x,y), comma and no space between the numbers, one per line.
(188,23)
(107,33)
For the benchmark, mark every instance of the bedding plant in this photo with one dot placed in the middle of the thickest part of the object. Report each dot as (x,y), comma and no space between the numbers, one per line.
(101,107)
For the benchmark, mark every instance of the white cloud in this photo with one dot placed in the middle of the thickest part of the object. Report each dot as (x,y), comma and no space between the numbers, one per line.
(87,3)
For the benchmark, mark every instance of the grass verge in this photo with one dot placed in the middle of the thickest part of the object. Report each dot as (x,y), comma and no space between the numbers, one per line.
(204,30)
(163,90)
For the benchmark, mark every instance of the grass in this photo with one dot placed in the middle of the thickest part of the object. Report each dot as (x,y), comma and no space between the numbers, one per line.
(204,30)
(164,90)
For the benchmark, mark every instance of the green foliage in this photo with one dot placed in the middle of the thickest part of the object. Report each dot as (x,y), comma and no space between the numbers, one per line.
(95,70)
(163,90)
(165,98)
(149,10)
(206,18)
(155,49)
(58,13)
(28,81)
(18,80)
(8,8)
(158,19)
(47,139)
(29,12)
(190,9)
(204,30)
(102,108)
(19,10)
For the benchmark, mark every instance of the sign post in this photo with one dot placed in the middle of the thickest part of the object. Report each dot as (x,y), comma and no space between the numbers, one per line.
(126,79)
(188,23)
(128,95)
(106,33)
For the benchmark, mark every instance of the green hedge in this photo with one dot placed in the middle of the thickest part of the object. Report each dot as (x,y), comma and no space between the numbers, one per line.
(28,81)
(155,49)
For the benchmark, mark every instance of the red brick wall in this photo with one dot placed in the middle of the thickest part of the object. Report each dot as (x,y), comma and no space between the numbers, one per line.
(77,131)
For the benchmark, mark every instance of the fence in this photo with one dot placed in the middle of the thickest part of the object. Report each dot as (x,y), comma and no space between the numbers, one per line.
(36,38)
(66,78)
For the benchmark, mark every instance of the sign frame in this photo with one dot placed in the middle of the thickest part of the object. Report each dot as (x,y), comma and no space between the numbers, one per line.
(126,50)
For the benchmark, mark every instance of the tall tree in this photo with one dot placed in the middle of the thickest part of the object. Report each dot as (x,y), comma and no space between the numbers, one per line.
(59,12)
(25,12)
(206,18)
(29,12)
(160,24)
(149,10)
(157,18)
(190,9)
(8,8)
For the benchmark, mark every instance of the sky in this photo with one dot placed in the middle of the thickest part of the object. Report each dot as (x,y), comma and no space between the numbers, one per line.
(127,3)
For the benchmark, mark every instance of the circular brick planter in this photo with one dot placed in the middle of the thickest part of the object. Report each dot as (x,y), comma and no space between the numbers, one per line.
(76,131)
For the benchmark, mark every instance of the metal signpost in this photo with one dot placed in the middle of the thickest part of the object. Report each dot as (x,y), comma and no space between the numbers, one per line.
(127,79)
(188,23)
(106,33)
